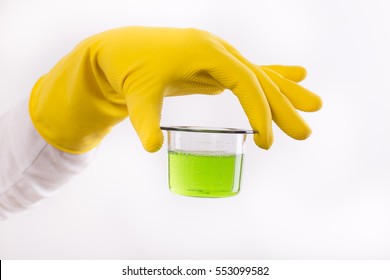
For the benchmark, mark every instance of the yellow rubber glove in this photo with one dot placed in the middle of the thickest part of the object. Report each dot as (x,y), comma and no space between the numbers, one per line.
(128,71)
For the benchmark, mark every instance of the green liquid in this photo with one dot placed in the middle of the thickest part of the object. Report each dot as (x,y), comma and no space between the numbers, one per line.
(204,175)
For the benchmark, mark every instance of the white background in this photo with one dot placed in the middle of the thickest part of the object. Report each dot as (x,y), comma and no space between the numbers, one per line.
(324,198)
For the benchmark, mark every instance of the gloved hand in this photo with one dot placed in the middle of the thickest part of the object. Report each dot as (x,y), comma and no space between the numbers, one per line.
(128,71)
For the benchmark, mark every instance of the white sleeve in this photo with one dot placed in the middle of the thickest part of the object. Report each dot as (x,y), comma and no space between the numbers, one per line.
(30,168)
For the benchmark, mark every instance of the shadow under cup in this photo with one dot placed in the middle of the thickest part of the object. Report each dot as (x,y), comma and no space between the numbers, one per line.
(205,162)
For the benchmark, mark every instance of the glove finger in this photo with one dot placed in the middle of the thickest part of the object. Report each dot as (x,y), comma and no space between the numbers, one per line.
(283,112)
(294,72)
(144,104)
(302,98)
(234,75)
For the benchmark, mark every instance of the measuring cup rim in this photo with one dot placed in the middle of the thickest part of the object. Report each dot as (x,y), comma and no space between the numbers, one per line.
(204,129)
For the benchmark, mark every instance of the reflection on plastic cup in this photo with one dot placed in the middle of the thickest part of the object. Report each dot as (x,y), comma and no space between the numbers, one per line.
(205,162)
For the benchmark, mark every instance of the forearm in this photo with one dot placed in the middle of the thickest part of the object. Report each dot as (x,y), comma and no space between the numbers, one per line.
(30,168)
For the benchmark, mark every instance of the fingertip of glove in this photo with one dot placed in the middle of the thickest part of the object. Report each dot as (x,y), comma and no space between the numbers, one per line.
(153,142)
(302,135)
(263,142)
(319,104)
(314,105)
(298,73)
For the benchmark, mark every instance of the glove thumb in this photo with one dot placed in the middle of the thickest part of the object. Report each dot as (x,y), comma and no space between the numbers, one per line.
(144,105)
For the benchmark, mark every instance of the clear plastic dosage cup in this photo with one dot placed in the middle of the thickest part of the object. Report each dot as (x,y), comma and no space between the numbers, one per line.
(205,161)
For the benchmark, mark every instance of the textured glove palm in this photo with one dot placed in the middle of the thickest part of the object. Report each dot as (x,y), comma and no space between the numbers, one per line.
(128,71)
